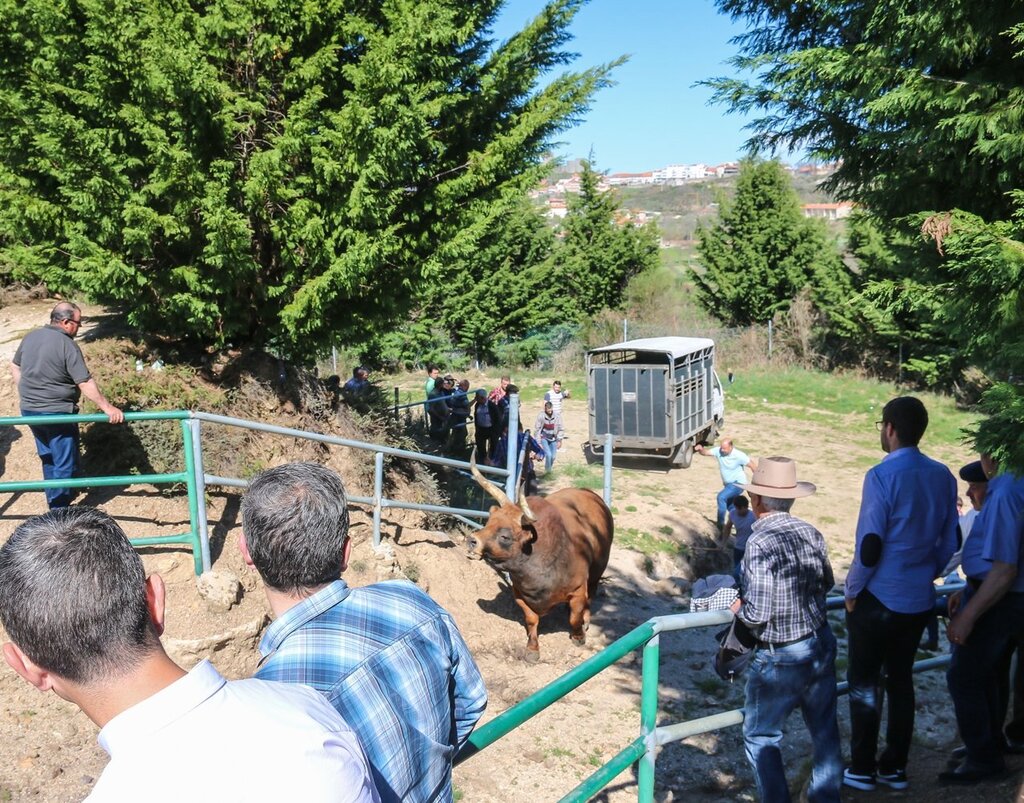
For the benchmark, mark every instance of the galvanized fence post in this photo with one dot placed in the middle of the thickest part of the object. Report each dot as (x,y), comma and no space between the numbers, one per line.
(512,453)
(199,472)
(608,438)
(378,495)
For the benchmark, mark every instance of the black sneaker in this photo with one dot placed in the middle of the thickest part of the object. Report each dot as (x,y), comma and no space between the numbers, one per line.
(897,779)
(854,780)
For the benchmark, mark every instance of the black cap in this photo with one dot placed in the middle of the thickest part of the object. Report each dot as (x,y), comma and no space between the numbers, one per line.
(973,472)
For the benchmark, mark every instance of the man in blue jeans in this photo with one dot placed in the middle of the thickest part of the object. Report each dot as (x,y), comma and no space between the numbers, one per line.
(51,376)
(786,575)
(906,534)
(734,479)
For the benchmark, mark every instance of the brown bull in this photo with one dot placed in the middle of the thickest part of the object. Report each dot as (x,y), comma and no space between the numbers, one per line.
(553,548)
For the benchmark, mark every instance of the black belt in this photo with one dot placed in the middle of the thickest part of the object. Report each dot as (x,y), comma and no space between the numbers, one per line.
(777,644)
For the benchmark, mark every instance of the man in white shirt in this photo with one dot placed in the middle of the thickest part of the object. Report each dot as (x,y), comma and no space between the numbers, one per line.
(85,623)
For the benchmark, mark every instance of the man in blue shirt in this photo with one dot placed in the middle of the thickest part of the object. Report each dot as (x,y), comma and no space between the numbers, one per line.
(984,624)
(734,479)
(906,533)
(386,656)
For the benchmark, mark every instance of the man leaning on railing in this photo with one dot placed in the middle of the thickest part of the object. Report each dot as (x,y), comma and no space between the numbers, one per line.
(51,376)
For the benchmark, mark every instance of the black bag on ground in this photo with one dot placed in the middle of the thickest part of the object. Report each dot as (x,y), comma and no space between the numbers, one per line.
(735,650)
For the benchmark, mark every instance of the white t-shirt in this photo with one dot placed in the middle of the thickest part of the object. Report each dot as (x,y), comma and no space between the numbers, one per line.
(556,400)
(205,738)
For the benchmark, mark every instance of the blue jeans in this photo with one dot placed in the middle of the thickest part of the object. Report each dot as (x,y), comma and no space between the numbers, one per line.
(550,450)
(57,447)
(725,496)
(973,679)
(781,679)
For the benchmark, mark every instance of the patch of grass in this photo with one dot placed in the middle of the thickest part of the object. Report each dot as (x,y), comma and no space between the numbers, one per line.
(631,508)
(647,544)
(457,794)
(584,476)
(615,511)
(412,571)
(805,395)
(711,686)
(359,566)
(594,760)
(558,752)
(665,530)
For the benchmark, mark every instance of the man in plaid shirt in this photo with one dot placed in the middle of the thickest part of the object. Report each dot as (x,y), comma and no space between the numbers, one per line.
(786,574)
(386,656)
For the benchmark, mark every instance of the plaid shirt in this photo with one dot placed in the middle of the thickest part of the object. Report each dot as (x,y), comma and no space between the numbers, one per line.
(786,575)
(394,665)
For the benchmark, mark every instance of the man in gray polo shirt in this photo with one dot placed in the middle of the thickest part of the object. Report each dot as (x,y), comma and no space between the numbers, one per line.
(51,376)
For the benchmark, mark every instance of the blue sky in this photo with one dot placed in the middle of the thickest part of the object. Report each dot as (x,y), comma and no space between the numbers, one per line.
(654,116)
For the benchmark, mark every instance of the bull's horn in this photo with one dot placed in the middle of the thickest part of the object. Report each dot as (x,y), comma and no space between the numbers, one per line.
(525,506)
(489,487)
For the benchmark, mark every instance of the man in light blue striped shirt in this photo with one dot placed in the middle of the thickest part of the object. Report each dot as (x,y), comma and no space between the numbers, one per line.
(386,656)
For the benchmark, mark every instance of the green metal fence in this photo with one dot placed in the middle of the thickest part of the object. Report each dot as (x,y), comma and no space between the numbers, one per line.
(193,538)
(644,749)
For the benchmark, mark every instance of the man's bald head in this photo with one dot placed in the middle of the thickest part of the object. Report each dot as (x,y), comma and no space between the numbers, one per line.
(64,311)
(726,446)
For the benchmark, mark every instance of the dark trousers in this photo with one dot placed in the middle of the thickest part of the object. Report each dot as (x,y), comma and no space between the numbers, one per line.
(57,447)
(1015,727)
(880,638)
(483,443)
(973,677)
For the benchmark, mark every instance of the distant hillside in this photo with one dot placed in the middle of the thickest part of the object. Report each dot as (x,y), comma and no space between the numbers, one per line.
(681,208)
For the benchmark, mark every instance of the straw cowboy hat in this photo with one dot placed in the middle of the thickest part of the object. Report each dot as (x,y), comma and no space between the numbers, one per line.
(776,477)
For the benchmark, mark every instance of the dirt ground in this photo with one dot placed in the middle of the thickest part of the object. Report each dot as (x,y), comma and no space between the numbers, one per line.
(48,749)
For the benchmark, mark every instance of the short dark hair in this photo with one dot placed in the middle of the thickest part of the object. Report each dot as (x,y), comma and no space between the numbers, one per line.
(741,502)
(64,311)
(73,595)
(908,417)
(295,520)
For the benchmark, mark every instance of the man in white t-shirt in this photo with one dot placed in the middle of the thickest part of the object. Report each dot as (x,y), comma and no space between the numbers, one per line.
(85,623)
(555,396)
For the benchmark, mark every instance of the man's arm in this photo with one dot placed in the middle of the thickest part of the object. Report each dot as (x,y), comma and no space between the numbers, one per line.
(91,391)
(758,586)
(727,529)
(469,691)
(949,540)
(993,588)
(872,524)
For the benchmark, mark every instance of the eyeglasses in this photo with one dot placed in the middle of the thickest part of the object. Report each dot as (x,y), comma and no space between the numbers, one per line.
(879,425)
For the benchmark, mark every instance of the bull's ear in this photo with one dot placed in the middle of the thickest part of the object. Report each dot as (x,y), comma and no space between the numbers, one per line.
(526,524)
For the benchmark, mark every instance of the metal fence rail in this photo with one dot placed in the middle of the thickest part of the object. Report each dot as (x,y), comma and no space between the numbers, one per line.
(195,538)
(197,480)
(644,748)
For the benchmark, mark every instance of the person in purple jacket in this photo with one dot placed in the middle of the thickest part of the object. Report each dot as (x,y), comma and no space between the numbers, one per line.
(906,533)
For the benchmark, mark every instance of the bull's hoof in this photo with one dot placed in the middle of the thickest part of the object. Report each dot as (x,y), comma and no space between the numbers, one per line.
(579,640)
(531,656)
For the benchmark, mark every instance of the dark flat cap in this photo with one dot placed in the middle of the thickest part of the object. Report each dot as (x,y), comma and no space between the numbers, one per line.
(973,472)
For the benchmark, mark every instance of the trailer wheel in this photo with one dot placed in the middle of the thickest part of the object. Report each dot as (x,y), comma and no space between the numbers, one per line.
(684,454)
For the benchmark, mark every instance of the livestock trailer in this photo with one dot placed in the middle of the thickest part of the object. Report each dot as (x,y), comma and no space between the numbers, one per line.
(658,397)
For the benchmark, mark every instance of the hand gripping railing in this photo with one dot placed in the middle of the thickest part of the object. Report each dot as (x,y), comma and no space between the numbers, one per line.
(644,748)
(193,538)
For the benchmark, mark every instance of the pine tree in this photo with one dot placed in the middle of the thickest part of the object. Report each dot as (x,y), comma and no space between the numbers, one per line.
(598,256)
(275,173)
(762,252)
(920,105)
